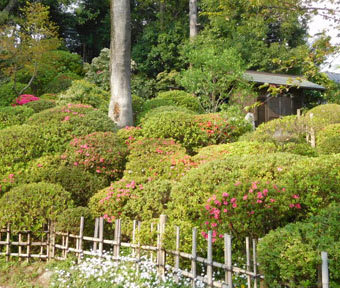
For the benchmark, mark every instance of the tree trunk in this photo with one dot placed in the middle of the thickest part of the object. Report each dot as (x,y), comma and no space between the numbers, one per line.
(193,18)
(120,108)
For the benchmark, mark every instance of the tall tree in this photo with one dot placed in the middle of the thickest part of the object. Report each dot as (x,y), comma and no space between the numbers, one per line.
(120,108)
(193,18)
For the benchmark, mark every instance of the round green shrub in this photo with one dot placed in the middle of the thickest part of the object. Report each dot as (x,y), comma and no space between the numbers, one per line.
(102,153)
(61,82)
(303,149)
(323,115)
(69,220)
(177,125)
(40,105)
(182,99)
(279,131)
(154,103)
(291,256)
(83,92)
(223,151)
(189,194)
(156,159)
(29,206)
(328,139)
(7,93)
(17,115)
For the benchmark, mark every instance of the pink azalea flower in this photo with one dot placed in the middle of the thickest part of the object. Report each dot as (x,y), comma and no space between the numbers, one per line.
(265,192)
(298,206)
(234,205)
(272,200)
(259,201)
(225,194)
(296,196)
(245,197)
(233,200)
(254,185)
(291,205)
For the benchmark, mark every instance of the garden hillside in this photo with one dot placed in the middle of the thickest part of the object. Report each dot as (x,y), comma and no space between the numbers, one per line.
(64,159)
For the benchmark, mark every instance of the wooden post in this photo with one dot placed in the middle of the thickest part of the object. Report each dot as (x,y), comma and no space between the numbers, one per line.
(116,248)
(101,236)
(80,240)
(134,225)
(29,241)
(161,252)
(228,260)
(19,248)
(194,257)
(248,260)
(95,234)
(52,240)
(177,252)
(8,242)
(324,270)
(254,263)
(209,260)
(151,253)
(66,244)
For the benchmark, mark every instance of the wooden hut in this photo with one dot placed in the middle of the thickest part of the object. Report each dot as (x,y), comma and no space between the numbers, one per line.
(283,104)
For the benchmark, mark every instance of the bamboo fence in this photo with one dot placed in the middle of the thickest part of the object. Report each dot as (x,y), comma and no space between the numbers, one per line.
(58,245)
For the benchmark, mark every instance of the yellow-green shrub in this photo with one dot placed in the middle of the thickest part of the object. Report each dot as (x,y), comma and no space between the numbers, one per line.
(328,139)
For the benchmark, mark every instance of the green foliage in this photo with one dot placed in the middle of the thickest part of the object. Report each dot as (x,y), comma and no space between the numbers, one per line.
(69,220)
(182,99)
(40,105)
(84,92)
(235,116)
(292,255)
(298,148)
(137,104)
(323,115)
(102,153)
(143,87)
(30,206)
(224,151)
(156,159)
(130,134)
(328,139)
(8,94)
(98,71)
(10,116)
(177,125)
(60,83)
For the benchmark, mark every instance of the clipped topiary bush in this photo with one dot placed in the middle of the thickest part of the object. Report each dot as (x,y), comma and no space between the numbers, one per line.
(69,220)
(291,256)
(156,159)
(61,82)
(102,153)
(223,151)
(83,92)
(328,139)
(40,105)
(323,115)
(10,116)
(182,99)
(177,125)
(29,206)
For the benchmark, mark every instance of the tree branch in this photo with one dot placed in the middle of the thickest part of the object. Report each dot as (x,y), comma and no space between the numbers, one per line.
(31,80)
(10,5)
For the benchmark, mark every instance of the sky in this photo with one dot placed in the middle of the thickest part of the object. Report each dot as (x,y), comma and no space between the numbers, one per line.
(317,25)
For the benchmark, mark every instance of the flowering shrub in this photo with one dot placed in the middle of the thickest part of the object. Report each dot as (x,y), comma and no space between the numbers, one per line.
(249,209)
(328,139)
(8,94)
(29,206)
(40,105)
(102,153)
(177,125)
(10,116)
(292,255)
(156,159)
(130,134)
(24,99)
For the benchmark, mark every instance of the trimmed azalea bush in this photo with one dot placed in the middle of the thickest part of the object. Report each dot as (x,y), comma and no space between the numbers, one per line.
(279,131)
(177,125)
(249,209)
(323,115)
(328,139)
(61,82)
(83,92)
(303,149)
(182,99)
(40,105)
(223,151)
(154,103)
(102,153)
(69,220)
(291,256)
(129,200)
(24,99)
(156,159)
(130,134)
(10,116)
(30,206)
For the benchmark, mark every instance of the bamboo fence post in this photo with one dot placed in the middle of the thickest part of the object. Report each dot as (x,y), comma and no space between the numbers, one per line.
(29,241)
(210,260)
(52,240)
(101,236)
(228,260)
(161,252)
(8,241)
(134,225)
(19,248)
(194,257)
(80,240)
(95,234)
(42,245)
(254,263)
(177,252)
(67,244)
(324,270)
(151,253)
(248,261)
(117,239)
